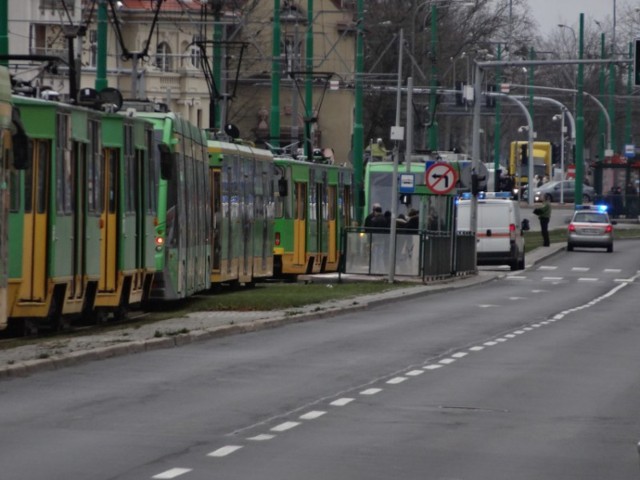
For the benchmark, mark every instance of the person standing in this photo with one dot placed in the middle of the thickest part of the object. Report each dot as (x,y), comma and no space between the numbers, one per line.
(544,215)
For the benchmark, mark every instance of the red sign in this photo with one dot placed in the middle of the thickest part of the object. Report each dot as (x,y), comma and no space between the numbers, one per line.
(441,178)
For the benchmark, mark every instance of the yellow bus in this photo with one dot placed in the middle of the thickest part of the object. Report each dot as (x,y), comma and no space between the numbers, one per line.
(519,162)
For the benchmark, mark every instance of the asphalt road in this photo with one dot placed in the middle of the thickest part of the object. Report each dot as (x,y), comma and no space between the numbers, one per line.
(532,376)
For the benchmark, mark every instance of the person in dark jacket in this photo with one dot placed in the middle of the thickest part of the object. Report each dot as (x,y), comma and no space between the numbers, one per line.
(544,215)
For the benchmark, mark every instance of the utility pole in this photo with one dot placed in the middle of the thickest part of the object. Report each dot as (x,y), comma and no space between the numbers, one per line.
(308,100)
(580,115)
(4,30)
(101,55)
(358,128)
(274,124)
(433,124)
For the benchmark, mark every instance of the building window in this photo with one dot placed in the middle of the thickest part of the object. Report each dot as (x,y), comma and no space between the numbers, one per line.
(57,5)
(195,53)
(163,57)
(93,48)
(292,60)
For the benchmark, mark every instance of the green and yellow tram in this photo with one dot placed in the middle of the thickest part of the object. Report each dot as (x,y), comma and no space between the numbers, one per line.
(182,241)
(242,200)
(314,203)
(57,221)
(5,157)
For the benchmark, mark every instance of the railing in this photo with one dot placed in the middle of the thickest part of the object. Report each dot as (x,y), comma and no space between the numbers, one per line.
(424,254)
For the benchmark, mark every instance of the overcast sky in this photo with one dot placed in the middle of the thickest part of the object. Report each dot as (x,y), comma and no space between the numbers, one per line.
(549,13)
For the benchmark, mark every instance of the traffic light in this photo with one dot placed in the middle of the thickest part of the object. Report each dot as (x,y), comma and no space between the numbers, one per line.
(636,62)
(555,154)
(490,100)
(524,153)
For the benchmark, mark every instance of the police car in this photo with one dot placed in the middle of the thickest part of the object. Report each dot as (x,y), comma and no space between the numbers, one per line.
(500,233)
(590,226)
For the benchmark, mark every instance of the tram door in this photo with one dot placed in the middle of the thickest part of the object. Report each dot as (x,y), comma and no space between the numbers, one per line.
(109,223)
(332,203)
(300,225)
(33,286)
(5,147)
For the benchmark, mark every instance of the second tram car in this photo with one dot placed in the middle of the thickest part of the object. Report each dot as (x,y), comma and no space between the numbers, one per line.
(183,243)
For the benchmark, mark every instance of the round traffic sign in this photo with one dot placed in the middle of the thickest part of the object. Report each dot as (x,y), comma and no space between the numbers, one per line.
(441,178)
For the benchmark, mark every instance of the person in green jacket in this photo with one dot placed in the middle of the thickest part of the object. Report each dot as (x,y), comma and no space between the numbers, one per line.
(544,215)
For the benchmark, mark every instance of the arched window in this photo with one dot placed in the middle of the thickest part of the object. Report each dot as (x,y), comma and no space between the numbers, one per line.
(163,57)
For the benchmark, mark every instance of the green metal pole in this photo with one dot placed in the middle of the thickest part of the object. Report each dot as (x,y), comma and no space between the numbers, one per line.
(597,181)
(358,129)
(308,97)
(497,136)
(611,106)
(274,124)
(217,69)
(433,124)
(580,117)
(4,30)
(101,61)
(532,56)
(627,123)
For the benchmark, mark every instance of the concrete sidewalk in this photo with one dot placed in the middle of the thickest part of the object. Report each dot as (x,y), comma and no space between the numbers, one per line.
(64,352)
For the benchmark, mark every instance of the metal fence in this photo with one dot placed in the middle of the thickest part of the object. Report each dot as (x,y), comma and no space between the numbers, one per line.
(427,255)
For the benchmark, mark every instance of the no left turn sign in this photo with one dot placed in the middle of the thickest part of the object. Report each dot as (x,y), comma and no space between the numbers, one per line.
(441,178)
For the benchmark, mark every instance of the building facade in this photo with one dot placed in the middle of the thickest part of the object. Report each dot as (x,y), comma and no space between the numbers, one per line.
(168,60)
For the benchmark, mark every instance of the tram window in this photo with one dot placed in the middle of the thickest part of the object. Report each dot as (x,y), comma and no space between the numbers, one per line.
(41,185)
(14,190)
(332,202)
(111,160)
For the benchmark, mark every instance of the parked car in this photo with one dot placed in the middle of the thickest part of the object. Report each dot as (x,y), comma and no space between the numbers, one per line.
(553,190)
(591,227)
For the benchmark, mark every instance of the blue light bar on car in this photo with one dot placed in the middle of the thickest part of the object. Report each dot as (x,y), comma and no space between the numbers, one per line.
(596,208)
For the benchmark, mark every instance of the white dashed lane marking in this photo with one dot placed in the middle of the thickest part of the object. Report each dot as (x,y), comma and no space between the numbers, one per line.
(552,279)
(415,373)
(587,279)
(396,380)
(447,361)
(432,367)
(283,427)
(341,402)
(612,270)
(312,415)
(516,277)
(580,269)
(261,438)
(370,391)
(224,451)
(476,348)
(547,267)
(173,473)
(460,355)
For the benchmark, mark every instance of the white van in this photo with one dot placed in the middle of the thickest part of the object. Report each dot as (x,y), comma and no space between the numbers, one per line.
(499,237)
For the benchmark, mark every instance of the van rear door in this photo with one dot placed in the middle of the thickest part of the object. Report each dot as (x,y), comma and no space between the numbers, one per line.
(494,221)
